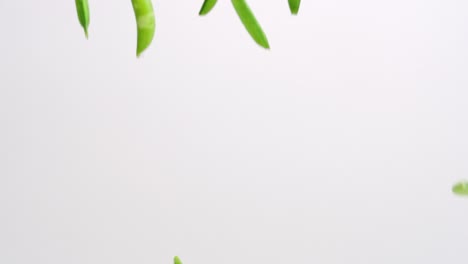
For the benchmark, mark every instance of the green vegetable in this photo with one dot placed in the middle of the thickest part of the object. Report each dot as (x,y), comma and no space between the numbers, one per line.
(82,9)
(294,6)
(461,188)
(177,260)
(146,24)
(207,6)
(250,23)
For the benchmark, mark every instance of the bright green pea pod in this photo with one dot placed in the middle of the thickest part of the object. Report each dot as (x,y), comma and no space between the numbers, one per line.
(146,24)
(250,22)
(207,6)
(294,6)
(177,260)
(82,9)
(460,188)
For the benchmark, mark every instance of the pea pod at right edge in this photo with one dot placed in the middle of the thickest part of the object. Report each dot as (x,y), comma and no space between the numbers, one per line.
(146,24)
(250,23)
(294,6)
(460,188)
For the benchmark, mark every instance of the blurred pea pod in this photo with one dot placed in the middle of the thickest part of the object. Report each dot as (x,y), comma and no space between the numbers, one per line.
(207,6)
(250,23)
(294,6)
(177,260)
(461,188)
(146,24)
(82,9)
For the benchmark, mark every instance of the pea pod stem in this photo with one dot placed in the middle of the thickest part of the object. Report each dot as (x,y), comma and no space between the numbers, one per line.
(207,6)
(82,10)
(294,6)
(146,24)
(250,23)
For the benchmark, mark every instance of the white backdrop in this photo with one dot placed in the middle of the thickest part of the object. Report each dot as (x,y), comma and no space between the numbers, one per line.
(340,145)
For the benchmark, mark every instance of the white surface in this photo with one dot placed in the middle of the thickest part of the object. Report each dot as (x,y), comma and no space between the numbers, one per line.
(340,145)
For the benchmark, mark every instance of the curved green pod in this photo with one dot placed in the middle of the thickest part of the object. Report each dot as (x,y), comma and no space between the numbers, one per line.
(146,24)
(177,260)
(82,9)
(294,6)
(461,188)
(207,6)
(250,23)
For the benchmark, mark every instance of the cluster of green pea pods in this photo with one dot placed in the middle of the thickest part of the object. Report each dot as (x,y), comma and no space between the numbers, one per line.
(146,23)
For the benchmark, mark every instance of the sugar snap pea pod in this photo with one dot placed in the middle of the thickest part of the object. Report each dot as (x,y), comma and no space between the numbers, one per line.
(250,23)
(294,6)
(177,260)
(461,188)
(207,6)
(146,24)
(82,9)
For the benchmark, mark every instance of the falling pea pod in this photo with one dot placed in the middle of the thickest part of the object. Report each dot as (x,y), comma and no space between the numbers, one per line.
(294,6)
(250,23)
(207,6)
(461,188)
(177,260)
(146,24)
(82,9)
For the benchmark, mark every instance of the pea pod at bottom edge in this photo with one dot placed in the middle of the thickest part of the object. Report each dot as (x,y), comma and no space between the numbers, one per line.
(177,260)
(250,23)
(146,24)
